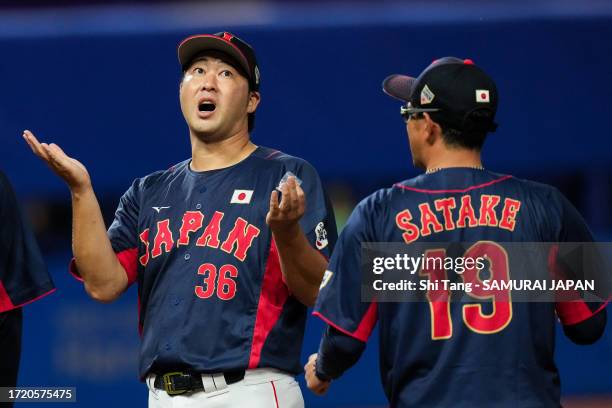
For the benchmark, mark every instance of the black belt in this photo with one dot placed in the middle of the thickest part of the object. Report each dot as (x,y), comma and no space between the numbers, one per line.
(178,382)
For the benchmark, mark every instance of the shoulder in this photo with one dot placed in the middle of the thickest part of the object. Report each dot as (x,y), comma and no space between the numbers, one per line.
(539,191)
(374,204)
(277,158)
(159,178)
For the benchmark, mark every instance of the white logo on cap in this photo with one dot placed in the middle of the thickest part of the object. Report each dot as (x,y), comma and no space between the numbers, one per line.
(427,96)
(482,96)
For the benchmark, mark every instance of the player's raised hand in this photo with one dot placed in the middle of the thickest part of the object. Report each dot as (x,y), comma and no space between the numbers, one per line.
(284,217)
(70,170)
(316,385)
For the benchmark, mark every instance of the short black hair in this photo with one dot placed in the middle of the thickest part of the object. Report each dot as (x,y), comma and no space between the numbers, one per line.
(473,140)
(474,131)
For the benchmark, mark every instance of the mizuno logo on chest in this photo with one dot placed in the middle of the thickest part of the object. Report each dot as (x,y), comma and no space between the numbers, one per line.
(237,241)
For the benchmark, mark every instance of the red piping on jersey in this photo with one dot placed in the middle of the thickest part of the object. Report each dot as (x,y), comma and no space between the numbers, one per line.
(464,190)
(127,259)
(573,311)
(365,327)
(274,293)
(6,304)
(274,153)
(275,397)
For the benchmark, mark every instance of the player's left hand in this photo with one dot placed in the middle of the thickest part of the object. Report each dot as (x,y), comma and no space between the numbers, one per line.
(314,383)
(283,218)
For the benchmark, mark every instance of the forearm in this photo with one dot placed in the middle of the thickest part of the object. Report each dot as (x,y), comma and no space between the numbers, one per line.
(103,275)
(588,331)
(337,353)
(301,264)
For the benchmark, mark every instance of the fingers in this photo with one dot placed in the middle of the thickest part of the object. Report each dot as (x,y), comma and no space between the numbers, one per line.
(35,145)
(293,194)
(301,200)
(290,202)
(274,209)
(316,385)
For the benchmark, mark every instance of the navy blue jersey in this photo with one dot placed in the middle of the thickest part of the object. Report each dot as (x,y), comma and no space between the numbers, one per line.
(23,274)
(211,293)
(441,354)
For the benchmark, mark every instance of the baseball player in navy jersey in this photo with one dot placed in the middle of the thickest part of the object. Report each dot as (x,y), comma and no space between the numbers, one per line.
(437,353)
(228,247)
(23,279)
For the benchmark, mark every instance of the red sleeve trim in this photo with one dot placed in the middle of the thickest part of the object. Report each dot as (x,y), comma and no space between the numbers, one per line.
(571,313)
(74,271)
(364,330)
(127,258)
(6,304)
(37,298)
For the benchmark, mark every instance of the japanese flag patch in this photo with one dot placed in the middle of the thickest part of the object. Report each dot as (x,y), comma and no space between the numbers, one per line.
(482,96)
(241,197)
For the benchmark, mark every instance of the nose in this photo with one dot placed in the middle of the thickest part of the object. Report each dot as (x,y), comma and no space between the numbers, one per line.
(209,82)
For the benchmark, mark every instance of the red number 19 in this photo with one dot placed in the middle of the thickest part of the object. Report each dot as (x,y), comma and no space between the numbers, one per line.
(473,316)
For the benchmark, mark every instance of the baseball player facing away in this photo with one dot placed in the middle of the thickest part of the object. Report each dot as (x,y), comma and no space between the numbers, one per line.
(23,279)
(440,353)
(225,265)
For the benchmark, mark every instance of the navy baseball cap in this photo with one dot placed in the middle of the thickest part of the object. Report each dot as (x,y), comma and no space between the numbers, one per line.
(238,50)
(455,92)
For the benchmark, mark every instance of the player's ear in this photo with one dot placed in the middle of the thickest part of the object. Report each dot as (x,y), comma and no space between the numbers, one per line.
(430,128)
(253,102)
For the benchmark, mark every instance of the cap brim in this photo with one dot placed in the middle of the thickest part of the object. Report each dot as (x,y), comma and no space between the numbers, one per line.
(192,46)
(399,86)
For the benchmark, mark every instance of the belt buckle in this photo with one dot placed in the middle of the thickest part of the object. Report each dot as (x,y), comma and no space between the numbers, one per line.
(169,384)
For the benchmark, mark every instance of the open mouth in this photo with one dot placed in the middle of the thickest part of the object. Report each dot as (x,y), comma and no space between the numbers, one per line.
(206,107)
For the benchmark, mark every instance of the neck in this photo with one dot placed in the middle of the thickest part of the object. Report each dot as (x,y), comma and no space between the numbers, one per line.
(218,154)
(454,158)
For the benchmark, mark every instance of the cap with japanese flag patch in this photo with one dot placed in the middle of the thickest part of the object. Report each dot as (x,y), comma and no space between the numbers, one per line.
(455,92)
(240,52)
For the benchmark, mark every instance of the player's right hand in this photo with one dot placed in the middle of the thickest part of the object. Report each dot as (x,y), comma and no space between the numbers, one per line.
(70,170)
(314,383)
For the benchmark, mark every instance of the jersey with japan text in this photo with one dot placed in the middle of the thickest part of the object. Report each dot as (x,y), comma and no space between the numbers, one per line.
(212,297)
(441,354)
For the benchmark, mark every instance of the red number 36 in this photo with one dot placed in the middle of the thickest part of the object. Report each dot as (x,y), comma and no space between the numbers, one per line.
(225,287)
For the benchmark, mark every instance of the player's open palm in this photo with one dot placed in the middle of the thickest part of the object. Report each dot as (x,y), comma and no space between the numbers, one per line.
(285,216)
(70,170)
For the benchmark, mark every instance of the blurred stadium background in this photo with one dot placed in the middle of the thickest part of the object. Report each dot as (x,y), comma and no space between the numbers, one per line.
(100,78)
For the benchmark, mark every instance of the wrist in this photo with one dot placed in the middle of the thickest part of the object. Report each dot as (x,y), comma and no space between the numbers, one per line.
(81,190)
(287,234)
(321,376)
